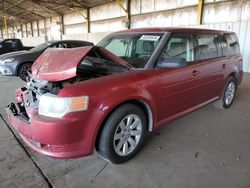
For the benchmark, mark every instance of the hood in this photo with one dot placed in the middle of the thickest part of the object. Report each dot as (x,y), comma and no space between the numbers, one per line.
(14,54)
(61,64)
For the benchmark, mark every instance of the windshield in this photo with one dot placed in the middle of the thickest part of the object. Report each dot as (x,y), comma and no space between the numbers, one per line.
(41,47)
(136,49)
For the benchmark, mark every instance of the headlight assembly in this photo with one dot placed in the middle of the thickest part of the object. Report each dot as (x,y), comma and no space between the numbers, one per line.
(54,106)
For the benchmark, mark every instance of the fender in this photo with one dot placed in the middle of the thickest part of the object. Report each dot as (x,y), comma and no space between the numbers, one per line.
(116,99)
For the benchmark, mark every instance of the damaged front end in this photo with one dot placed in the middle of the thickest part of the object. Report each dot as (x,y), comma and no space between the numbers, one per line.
(28,97)
(40,114)
(56,69)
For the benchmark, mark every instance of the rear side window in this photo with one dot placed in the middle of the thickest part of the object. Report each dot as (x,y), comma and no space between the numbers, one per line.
(207,47)
(230,44)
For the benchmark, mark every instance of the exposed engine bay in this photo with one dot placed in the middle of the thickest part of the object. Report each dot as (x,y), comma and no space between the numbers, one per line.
(92,66)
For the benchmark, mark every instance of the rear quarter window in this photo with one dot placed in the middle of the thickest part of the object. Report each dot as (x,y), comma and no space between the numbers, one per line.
(230,44)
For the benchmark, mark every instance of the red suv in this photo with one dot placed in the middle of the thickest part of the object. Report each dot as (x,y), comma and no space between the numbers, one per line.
(108,96)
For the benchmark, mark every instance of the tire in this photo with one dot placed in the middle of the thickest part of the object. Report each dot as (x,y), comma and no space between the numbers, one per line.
(123,134)
(228,95)
(22,71)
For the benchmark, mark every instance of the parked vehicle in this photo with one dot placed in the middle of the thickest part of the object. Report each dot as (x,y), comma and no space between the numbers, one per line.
(78,99)
(17,63)
(12,45)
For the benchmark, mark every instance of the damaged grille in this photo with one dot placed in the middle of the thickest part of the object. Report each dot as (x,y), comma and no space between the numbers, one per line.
(35,89)
(28,97)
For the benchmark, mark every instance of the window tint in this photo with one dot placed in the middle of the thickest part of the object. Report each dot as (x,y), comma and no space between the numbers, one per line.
(61,45)
(179,46)
(10,44)
(207,47)
(72,45)
(75,44)
(230,44)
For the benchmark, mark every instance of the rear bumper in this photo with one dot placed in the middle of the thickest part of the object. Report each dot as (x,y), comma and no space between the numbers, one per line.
(64,138)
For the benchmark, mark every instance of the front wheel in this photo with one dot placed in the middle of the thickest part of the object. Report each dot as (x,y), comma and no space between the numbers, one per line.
(123,134)
(228,94)
(22,73)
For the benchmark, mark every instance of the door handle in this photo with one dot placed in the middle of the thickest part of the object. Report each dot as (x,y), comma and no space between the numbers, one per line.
(195,73)
(224,66)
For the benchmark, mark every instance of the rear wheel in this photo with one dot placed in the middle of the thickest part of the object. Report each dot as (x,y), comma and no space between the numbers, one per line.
(22,73)
(228,94)
(123,134)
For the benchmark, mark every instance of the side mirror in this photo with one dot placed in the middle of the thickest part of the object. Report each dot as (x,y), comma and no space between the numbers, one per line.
(171,62)
(1,46)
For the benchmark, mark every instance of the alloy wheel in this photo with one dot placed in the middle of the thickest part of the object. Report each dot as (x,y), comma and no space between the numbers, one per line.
(127,135)
(230,92)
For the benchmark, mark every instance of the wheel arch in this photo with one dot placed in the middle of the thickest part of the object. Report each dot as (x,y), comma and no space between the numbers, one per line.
(235,76)
(235,72)
(20,64)
(138,102)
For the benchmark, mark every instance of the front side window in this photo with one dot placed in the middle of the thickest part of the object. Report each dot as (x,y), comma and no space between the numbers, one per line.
(136,49)
(179,46)
(207,47)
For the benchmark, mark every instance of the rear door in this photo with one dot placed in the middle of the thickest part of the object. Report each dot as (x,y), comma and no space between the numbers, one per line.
(209,61)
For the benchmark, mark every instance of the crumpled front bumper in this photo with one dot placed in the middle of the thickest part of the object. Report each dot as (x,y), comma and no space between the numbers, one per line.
(69,137)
